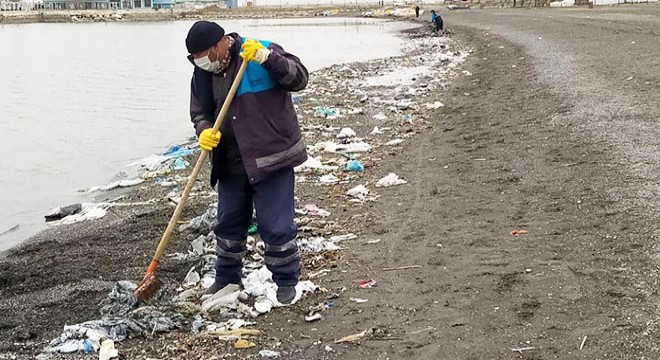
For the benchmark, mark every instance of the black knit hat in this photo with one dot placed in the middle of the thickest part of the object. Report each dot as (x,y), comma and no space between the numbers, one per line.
(202,35)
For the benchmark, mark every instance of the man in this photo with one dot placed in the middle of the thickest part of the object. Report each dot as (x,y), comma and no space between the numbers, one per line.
(417,11)
(437,21)
(261,143)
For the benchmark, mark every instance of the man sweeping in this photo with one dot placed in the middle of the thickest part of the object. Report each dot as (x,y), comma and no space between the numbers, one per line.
(254,152)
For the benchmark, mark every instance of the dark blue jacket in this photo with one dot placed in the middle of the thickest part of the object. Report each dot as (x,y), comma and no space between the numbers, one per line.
(261,130)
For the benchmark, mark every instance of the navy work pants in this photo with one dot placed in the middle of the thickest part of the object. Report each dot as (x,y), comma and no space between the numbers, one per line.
(274,201)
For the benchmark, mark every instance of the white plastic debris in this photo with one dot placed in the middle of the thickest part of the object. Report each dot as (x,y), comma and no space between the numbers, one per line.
(358,300)
(192,278)
(317,244)
(390,179)
(263,305)
(108,350)
(116,184)
(359,192)
(197,245)
(329,179)
(394,142)
(90,211)
(226,297)
(380,116)
(353,147)
(269,354)
(313,317)
(259,283)
(398,76)
(314,164)
(313,210)
(434,105)
(376,131)
(338,238)
(346,133)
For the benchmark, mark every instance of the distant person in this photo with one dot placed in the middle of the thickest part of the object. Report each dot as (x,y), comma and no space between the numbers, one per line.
(261,144)
(437,21)
(417,11)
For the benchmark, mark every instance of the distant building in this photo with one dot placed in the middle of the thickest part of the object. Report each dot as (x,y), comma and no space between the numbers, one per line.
(198,4)
(163,4)
(76,4)
(17,5)
(103,4)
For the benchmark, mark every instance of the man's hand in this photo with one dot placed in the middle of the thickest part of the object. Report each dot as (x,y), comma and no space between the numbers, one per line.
(254,51)
(208,140)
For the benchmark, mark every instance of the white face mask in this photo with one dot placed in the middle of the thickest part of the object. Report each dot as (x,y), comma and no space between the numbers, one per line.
(205,63)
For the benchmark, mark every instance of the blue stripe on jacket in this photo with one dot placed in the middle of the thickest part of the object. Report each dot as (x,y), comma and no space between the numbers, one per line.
(256,78)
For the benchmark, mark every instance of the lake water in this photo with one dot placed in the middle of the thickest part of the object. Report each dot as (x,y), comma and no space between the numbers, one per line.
(80,101)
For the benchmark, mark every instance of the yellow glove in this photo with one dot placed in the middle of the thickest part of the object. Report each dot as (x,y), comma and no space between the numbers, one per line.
(208,140)
(254,51)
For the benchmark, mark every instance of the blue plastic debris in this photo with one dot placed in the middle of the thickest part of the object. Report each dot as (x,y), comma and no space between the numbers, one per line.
(354,165)
(296,99)
(180,164)
(326,112)
(88,347)
(177,151)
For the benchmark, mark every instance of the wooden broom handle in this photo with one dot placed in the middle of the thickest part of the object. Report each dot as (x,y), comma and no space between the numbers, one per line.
(165,239)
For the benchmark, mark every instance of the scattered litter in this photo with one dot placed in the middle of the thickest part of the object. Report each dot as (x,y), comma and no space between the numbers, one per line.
(353,147)
(376,130)
(314,164)
(359,192)
(243,344)
(583,341)
(192,278)
(380,116)
(180,164)
(518,232)
(328,348)
(108,350)
(329,179)
(376,241)
(263,305)
(390,179)
(326,112)
(354,166)
(88,346)
(338,238)
(226,297)
(355,337)
(253,229)
(116,184)
(358,300)
(520,350)
(367,284)
(346,133)
(434,105)
(313,210)
(394,142)
(314,317)
(402,267)
(63,211)
(269,354)
(88,211)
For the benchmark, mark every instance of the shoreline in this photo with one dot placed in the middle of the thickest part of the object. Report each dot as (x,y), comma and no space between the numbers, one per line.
(150,219)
